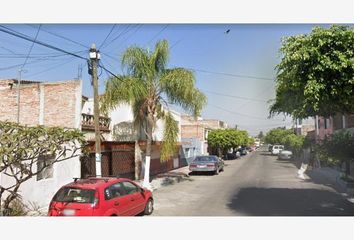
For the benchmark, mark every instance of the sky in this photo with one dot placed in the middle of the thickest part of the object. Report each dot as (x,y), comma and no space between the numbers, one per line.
(235,70)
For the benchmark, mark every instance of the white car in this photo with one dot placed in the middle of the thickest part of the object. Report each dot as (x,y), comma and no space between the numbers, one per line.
(276,149)
(285,154)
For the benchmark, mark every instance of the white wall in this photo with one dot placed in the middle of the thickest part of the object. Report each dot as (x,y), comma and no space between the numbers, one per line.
(41,192)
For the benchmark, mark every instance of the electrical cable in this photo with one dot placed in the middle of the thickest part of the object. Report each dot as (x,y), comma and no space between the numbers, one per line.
(163,29)
(25,37)
(233,96)
(231,74)
(30,50)
(104,41)
(119,35)
(62,37)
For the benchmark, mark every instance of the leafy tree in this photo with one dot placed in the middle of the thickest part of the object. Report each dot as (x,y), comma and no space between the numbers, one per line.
(277,136)
(339,147)
(294,142)
(21,147)
(316,73)
(224,139)
(149,87)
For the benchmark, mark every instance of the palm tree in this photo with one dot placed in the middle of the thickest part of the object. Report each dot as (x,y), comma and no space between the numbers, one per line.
(149,87)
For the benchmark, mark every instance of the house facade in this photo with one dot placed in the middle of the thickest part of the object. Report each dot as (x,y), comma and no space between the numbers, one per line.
(194,135)
(49,104)
(120,132)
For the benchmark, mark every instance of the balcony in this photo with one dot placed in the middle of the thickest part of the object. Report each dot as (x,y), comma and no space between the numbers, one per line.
(88,123)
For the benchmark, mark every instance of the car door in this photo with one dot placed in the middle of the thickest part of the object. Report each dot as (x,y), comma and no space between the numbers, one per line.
(117,201)
(135,197)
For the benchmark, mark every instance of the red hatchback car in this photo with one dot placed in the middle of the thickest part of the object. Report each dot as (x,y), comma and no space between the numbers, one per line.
(101,197)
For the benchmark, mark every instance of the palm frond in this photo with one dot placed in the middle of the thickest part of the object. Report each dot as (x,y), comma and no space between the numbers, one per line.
(160,56)
(119,90)
(170,136)
(179,86)
(137,62)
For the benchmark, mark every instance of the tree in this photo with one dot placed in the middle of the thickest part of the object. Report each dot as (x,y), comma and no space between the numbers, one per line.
(294,142)
(149,87)
(316,73)
(224,139)
(23,152)
(340,147)
(277,136)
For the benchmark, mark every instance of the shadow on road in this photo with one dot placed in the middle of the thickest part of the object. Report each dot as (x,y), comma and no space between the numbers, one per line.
(290,202)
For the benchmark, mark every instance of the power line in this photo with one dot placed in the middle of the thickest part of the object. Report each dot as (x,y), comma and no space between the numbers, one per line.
(232,75)
(163,29)
(119,35)
(114,25)
(233,96)
(62,37)
(237,113)
(52,67)
(25,37)
(30,50)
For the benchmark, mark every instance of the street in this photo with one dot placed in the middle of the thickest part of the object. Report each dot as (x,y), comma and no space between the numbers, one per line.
(255,185)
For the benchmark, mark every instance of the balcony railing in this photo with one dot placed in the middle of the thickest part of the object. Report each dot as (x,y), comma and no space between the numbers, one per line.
(88,123)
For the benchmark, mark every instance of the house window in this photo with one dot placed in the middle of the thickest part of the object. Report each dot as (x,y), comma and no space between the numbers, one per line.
(45,162)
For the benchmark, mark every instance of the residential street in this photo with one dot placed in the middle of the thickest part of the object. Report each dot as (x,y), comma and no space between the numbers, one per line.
(255,185)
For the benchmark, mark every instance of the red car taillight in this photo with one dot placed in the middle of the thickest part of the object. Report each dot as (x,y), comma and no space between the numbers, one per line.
(96,201)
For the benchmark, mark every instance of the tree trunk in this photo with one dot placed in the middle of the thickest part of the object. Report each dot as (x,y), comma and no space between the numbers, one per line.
(146,182)
(347,167)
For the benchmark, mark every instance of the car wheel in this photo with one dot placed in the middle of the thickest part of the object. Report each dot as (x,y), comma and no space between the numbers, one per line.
(149,208)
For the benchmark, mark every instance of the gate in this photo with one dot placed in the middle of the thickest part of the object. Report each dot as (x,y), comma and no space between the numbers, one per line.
(114,162)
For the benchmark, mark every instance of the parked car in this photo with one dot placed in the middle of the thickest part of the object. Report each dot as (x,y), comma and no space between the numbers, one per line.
(101,197)
(285,154)
(270,147)
(276,149)
(243,151)
(207,163)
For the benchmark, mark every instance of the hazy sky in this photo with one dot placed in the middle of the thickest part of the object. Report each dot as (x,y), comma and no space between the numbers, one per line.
(235,70)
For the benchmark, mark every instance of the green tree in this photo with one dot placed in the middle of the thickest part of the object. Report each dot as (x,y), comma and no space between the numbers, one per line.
(277,136)
(316,73)
(149,87)
(22,147)
(339,147)
(224,139)
(294,142)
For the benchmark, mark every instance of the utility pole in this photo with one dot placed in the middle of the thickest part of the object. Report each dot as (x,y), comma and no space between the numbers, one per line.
(94,58)
(20,70)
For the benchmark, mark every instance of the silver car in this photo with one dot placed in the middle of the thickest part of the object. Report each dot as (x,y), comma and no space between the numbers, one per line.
(209,163)
(285,154)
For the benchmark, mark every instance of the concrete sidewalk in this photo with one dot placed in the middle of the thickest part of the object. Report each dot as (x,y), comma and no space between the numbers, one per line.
(330,177)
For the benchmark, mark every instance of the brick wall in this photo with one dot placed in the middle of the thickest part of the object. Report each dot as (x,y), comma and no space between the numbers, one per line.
(50,104)
(192,131)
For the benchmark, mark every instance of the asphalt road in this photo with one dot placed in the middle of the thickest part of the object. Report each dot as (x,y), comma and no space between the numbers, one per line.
(255,185)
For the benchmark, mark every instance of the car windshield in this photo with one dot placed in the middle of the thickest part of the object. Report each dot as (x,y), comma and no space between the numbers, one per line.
(75,195)
(206,159)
